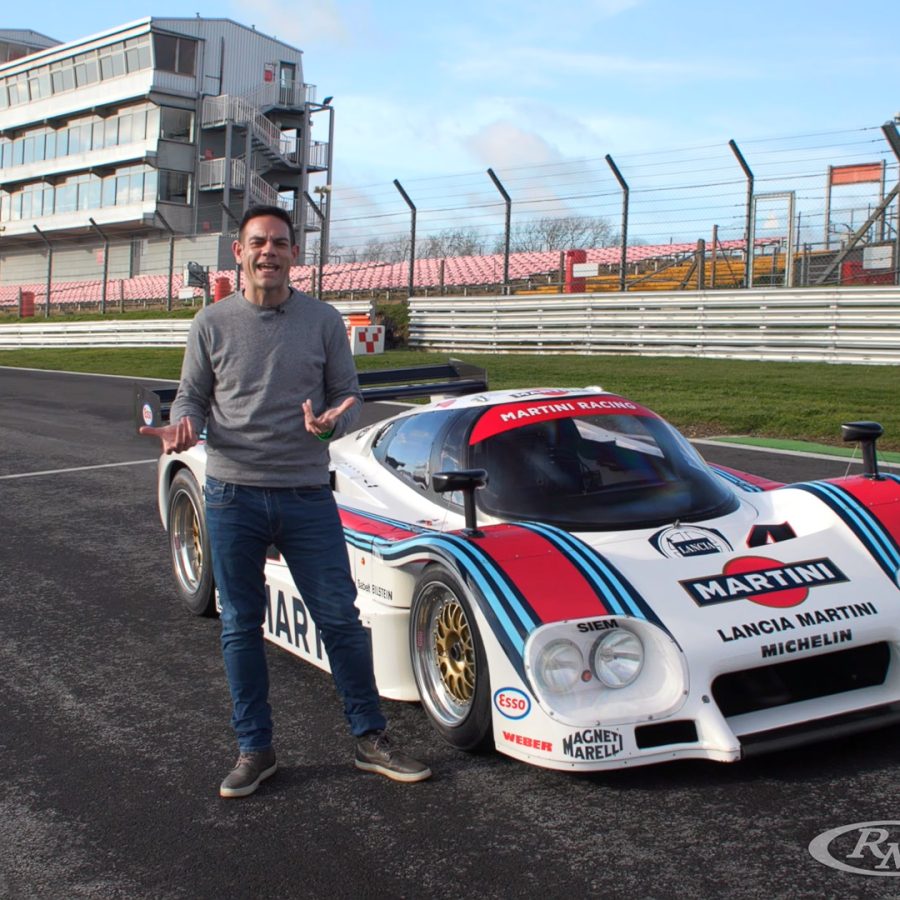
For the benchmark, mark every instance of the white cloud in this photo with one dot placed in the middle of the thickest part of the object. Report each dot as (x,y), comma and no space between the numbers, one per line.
(313,20)
(503,144)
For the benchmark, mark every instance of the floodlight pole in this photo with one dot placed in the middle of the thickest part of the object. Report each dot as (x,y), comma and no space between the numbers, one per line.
(412,236)
(624,185)
(748,228)
(171,231)
(889,130)
(506,226)
(105,239)
(43,237)
(237,265)
(321,217)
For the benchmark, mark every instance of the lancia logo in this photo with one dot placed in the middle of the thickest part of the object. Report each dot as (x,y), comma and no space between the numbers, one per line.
(684,541)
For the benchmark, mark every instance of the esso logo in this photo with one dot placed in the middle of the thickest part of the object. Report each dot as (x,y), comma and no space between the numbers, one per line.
(512,703)
(147,413)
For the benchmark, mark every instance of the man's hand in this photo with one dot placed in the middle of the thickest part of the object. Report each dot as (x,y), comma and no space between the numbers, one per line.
(323,425)
(175,438)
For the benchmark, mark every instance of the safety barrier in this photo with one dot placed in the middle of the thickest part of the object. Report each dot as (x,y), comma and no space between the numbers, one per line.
(143,333)
(841,325)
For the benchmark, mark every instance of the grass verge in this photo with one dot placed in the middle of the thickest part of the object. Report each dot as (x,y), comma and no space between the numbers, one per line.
(702,397)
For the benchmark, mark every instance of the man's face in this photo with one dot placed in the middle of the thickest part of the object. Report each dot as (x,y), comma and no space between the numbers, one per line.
(266,255)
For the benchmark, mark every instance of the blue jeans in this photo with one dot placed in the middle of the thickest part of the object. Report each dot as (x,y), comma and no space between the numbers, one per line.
(303,523)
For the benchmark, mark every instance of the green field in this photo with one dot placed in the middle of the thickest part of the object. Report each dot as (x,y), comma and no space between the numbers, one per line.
(703,397)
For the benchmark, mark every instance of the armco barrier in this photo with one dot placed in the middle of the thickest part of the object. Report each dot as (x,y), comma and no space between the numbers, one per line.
(841,325)
(142,333)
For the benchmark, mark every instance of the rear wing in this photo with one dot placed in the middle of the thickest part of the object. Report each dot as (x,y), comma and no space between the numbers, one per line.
(455,377)
(152,405)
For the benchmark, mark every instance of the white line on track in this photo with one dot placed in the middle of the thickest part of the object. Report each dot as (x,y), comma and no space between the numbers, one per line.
(134,462)
(136,378)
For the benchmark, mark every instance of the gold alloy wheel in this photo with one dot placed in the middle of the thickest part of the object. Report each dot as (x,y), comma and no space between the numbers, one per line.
(454,650)
(448,659)
(444,657)
(187,543)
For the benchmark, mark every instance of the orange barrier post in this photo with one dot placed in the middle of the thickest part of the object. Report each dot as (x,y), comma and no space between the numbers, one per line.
(575,285)
(26,306)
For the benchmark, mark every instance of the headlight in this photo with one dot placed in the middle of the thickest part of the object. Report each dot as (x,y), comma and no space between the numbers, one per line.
(617,658)
(605,670)
(560,666)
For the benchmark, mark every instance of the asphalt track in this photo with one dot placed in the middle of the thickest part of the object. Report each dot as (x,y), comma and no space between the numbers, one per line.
(114,734)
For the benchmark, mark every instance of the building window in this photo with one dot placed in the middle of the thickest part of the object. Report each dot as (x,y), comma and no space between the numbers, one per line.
(112,61)
(88,68)
(174,54)
(174,187)
(82,193)
(137,54)
(66,195)
(176,124)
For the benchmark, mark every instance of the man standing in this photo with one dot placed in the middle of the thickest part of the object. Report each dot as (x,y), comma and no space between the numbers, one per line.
(268,372)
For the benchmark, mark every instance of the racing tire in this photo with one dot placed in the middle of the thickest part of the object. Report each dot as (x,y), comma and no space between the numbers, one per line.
(449,662)
(189,546)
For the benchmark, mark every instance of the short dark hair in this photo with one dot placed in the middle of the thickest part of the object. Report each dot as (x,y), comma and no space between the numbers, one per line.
(260,209)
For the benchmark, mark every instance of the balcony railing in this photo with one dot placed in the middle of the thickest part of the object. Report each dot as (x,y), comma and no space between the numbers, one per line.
(291,94)
(211,174)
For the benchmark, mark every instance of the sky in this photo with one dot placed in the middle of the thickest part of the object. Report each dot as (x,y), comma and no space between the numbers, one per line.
(425,90)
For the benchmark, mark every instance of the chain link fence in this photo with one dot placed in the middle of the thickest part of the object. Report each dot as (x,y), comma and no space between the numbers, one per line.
(816,209)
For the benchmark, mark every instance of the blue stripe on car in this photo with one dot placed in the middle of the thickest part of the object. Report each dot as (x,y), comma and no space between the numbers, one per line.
(511,617)
(733,479)
(873,535)
(623,598)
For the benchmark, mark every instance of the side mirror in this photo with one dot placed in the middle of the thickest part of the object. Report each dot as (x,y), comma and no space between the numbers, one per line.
(465,480)
(866,433)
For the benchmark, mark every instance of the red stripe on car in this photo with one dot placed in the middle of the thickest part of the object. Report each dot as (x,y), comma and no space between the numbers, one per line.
(552,585)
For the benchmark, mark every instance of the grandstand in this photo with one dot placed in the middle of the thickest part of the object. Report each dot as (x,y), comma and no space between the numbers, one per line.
(657,267)
(660,267)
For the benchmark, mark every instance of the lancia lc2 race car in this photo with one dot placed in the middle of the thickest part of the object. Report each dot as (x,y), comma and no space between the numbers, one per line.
(559,574)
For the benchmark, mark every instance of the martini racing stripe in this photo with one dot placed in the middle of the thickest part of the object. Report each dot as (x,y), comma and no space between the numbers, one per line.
(511,617)
(615,590)
(733,479)
(873,535)
(556,589)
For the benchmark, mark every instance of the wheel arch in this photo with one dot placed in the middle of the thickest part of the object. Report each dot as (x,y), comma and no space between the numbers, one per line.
(449,640)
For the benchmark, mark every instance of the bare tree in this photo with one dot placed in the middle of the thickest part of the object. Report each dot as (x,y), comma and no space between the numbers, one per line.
(451,242)
(559,233)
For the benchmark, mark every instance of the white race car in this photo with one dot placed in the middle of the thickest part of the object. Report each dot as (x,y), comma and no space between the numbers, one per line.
(558,573)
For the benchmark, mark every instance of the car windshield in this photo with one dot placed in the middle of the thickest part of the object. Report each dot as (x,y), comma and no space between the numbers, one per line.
(613,469)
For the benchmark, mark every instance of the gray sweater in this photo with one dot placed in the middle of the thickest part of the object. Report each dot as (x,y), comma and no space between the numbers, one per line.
(247,370)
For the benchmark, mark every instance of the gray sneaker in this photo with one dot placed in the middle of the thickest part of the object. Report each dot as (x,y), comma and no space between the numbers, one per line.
(375,753)
(250,769)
